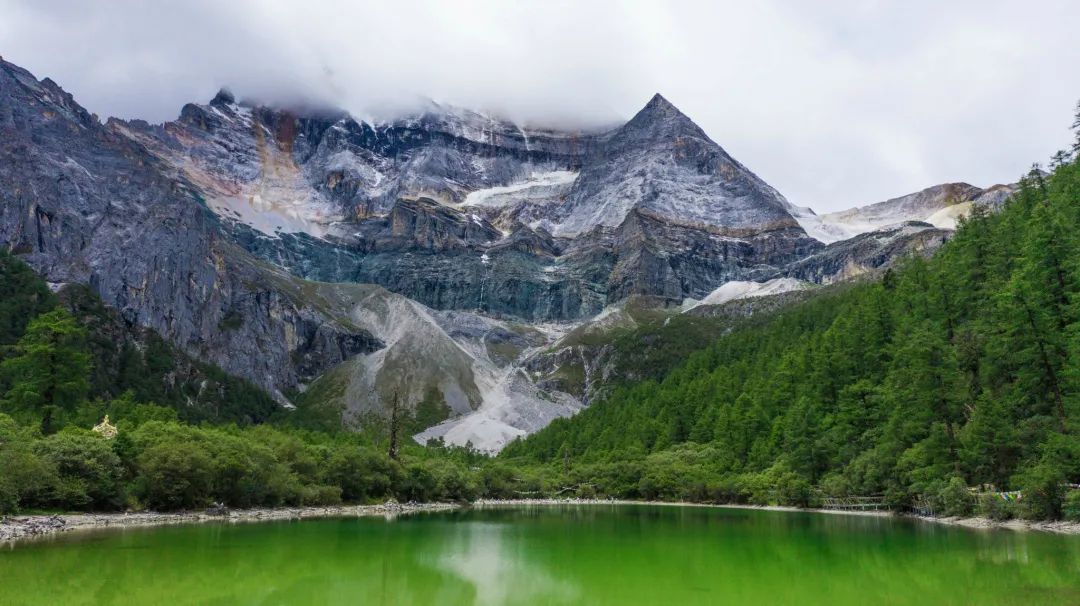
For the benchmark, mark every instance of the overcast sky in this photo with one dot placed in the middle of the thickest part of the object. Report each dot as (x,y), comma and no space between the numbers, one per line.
(835,107)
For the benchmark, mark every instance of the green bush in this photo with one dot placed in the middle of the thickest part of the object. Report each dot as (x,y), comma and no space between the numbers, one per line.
(453,482)
(320,494)
(88,470)
(361,474)
(417,484)
(1071,506)
(26,480)
(994,507)
(1042,492)
(954,499)
(245,473)
(9,495)
(793,489)
(497,481)
(175,474)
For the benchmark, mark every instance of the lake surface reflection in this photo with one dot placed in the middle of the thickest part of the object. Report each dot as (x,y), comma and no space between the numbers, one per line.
(590,554)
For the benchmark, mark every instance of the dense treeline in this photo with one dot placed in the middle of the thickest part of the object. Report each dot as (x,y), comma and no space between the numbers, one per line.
(958,371)
(159,463)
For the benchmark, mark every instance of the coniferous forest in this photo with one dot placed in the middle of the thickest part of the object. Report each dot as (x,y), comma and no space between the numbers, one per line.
(943,381)
(957,371)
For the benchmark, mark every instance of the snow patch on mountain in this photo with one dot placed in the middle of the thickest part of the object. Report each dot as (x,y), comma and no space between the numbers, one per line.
(277,214)
(731,291)
(508,194)
(819,228)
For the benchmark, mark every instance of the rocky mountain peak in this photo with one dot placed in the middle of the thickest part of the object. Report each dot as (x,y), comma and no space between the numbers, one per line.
(223,97)
(659,119)
(659,103)
(19,85)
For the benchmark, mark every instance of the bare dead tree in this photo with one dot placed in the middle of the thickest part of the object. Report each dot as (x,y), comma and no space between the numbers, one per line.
(395,423)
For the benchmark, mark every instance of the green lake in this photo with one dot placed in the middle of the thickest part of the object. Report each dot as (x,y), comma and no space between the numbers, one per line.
(588,554)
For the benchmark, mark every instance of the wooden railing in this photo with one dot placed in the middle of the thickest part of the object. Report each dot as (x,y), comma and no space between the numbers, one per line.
(874,503)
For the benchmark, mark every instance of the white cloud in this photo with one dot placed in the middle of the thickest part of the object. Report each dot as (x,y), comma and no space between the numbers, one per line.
(835,105)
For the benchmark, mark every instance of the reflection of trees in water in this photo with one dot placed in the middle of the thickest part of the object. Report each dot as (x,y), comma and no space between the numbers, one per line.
(562,555)
(498,566)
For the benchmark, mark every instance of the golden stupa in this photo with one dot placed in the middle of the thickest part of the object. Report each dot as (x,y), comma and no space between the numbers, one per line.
(106,429)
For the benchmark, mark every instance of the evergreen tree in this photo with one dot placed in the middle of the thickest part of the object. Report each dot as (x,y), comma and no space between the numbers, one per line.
(49,371)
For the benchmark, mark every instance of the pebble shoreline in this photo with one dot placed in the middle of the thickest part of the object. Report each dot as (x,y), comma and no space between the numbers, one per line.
(16,528)
(978,523)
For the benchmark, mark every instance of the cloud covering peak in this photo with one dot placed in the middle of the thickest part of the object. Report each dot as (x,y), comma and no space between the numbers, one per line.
(837,106)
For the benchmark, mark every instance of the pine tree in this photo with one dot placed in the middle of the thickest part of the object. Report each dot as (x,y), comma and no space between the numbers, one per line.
(50,371)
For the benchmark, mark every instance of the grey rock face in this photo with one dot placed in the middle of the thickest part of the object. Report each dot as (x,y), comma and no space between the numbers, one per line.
(663,164)
(868,252)
(83,203)
(460,211)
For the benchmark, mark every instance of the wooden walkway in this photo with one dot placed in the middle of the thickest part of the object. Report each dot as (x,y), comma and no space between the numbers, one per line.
(876,503)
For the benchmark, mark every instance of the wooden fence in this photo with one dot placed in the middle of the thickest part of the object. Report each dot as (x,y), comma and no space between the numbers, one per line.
(874,503)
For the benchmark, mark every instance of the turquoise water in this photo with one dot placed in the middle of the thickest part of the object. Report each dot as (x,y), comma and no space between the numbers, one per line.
(619,554)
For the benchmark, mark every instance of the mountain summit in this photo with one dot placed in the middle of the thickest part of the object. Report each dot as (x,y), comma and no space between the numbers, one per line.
(663,164)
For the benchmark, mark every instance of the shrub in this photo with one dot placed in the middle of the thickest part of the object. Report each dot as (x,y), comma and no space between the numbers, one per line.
(417,484)
(954,498)
(360,473)
(1071,506)
(497,481)
(174,475)
(793,489)
(836,485)
(1041,486)
(9,495)
(320,494)
(453,482)
(245,473)
(88,470)
(992,506)
(25,478)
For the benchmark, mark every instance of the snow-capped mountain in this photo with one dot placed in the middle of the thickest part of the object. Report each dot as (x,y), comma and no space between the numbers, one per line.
(462,211)
(441,256)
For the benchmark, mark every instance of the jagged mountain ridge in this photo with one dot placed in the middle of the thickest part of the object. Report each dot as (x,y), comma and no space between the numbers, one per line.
(459,212)
(85,203)
(207,229)
(81,203)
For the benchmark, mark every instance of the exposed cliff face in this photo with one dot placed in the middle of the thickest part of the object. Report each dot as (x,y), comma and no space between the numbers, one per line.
(82,203)
(662,164)
(461,211)
(868,252)
(470,364)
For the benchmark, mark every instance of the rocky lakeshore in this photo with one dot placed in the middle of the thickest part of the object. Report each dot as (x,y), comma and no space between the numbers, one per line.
(15,528)
(1056,526)
(979,523)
